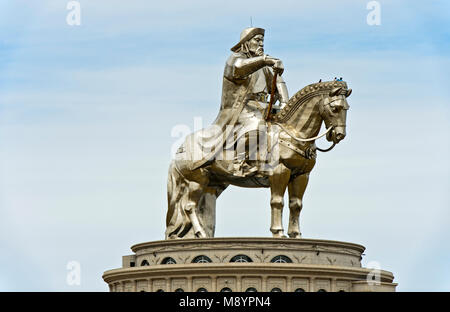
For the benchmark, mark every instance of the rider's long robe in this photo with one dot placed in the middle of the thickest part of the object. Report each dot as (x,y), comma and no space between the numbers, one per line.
(237,114)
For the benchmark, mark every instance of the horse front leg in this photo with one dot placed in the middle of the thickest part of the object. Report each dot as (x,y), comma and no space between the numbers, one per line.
(278,183)
(296,189)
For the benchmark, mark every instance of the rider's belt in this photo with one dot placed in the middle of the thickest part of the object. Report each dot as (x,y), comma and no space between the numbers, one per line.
(260,97)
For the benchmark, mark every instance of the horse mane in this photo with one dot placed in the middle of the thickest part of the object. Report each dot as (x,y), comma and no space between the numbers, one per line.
(306,94)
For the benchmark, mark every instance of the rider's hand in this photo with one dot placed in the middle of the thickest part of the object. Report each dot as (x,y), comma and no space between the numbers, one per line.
(276,64)
(278,67)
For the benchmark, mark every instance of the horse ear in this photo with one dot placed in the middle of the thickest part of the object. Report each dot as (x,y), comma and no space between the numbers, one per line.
(349,91)
(335,91)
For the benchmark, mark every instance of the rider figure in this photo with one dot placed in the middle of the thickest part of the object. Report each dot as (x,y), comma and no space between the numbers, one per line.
(246,88)
(248,66)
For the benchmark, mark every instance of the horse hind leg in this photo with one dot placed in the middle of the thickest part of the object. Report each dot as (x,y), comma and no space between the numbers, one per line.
(296,189)
(207,208)
(195,193)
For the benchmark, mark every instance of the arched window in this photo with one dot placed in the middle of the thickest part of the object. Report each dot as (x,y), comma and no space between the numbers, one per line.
(299,290)
(241,258)
(202,290)
(281,259)
(168,260)
(201,259)
(144,263)
(341,290)
(321,290)
(179,290)
(160,290)
(225,289)
(251,289)
(276,289)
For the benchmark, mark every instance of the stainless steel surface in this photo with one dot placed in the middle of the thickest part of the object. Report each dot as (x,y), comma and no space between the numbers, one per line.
(241,148)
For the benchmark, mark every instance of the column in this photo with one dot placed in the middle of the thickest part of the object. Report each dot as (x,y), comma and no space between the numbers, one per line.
(289,284)
(264,283)
(213,283)
(190,286)
(150,285)
(333,285)
(312,286)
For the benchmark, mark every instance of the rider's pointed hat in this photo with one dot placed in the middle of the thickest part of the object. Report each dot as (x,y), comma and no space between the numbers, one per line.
(247,34)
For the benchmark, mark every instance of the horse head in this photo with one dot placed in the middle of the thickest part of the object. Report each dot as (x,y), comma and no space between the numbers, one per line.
(333,110)
(322,101)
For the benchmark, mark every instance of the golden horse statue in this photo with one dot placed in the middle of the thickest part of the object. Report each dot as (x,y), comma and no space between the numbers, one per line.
(286,162)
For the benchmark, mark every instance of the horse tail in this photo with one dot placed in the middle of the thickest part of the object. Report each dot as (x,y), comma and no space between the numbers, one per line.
(177,221)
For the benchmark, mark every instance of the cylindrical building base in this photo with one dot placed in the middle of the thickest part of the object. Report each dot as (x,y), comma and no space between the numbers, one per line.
(247,264)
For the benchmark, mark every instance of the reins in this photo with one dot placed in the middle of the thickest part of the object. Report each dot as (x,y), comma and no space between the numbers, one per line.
(310,139)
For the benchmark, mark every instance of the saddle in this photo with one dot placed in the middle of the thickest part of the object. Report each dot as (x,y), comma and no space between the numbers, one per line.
(250,152)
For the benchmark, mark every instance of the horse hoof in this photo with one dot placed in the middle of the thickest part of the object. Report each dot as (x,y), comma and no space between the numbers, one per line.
(279,234)
(295,235)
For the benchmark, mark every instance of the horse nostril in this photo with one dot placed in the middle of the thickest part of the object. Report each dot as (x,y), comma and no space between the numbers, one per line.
(340,136)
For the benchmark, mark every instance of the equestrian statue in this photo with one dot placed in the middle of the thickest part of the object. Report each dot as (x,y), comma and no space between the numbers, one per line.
(260,138)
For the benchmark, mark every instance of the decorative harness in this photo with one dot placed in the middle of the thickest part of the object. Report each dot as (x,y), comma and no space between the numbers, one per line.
(306,154)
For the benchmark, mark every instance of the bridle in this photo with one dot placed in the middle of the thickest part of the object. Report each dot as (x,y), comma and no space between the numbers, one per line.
(310,139)
(313,138)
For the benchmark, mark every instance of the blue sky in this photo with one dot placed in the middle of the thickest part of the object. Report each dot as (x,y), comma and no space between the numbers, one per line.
(86,114)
